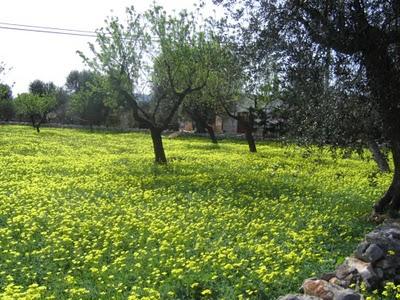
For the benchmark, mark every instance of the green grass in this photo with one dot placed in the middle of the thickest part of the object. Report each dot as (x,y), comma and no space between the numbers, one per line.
(89,216)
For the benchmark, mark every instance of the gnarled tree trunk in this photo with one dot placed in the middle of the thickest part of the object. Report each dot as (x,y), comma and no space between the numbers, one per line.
(250,139)
(35,124)
(33,121)
(378,156)
(202,126)
(211,133)
(383,79)
(158,147)
(391,199)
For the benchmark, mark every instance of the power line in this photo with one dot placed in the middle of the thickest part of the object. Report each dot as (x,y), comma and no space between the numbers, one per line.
(47,28)
(48,31)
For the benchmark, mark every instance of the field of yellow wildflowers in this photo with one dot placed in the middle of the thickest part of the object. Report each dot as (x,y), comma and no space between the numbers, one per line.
(89,216)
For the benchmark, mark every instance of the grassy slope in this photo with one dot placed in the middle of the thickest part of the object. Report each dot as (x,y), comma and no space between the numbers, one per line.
(88,215)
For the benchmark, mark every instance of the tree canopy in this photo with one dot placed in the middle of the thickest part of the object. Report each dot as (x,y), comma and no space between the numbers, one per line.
(163,56)
(35,107)
(88,98)
(354,34)
(41,88)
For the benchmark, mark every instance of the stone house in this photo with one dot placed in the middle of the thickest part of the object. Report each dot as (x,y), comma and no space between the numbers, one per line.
(226,124)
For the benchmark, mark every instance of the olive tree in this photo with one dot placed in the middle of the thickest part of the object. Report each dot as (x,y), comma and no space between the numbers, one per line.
(236,91)
(366,31)
(164,56)
(340,114)
(34,107)
(202,109)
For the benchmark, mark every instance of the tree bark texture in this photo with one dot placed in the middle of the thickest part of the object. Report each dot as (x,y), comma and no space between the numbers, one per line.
(35,124)
(33,121)
(158,147)
(391,199)
(378,156)
(384,83)
(374,44)
(211,133)
(250,139)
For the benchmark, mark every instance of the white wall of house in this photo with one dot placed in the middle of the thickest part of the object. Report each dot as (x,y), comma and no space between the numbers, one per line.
(229,125)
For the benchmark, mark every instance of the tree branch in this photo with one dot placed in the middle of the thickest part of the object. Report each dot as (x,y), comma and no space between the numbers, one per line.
(173,110)
(225,107)
(158,102)
(170,77)
(136,109)
(324,32)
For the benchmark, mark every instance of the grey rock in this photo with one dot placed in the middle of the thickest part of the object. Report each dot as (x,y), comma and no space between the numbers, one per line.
(373,253)
(379,272)
(318,288)
(298,297)
(359,253)
(388,263)
(375,261)
(387,236)
(356,266)
(328,276)
(390,273)
(350,295)
(344,270)
(345,283)
(394,234)
(328,291)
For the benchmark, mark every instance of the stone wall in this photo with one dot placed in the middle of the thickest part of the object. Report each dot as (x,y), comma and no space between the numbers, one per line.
(375,262)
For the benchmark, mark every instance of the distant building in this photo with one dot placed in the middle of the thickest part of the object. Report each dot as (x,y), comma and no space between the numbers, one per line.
(226,124)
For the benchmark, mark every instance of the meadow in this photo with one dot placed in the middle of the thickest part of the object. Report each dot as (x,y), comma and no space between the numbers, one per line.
(88,215)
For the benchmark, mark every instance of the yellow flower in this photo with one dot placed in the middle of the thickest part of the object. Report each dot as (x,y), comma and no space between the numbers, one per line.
(194,285)
(206,292)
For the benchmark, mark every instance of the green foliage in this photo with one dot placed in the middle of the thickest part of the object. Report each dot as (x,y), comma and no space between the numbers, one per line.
(40,88)
(6,103)
(7,109)
(163,55)
(184,60)
(88,97)
(320,51)
(390,291)
(98,220)
(30,104)
(78,80)
(88,106)
(226,82)
(201,108)
(224,87)
(5,91)
(35,107)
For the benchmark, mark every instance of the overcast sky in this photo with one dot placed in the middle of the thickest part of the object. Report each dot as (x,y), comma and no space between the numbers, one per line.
(51,57)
